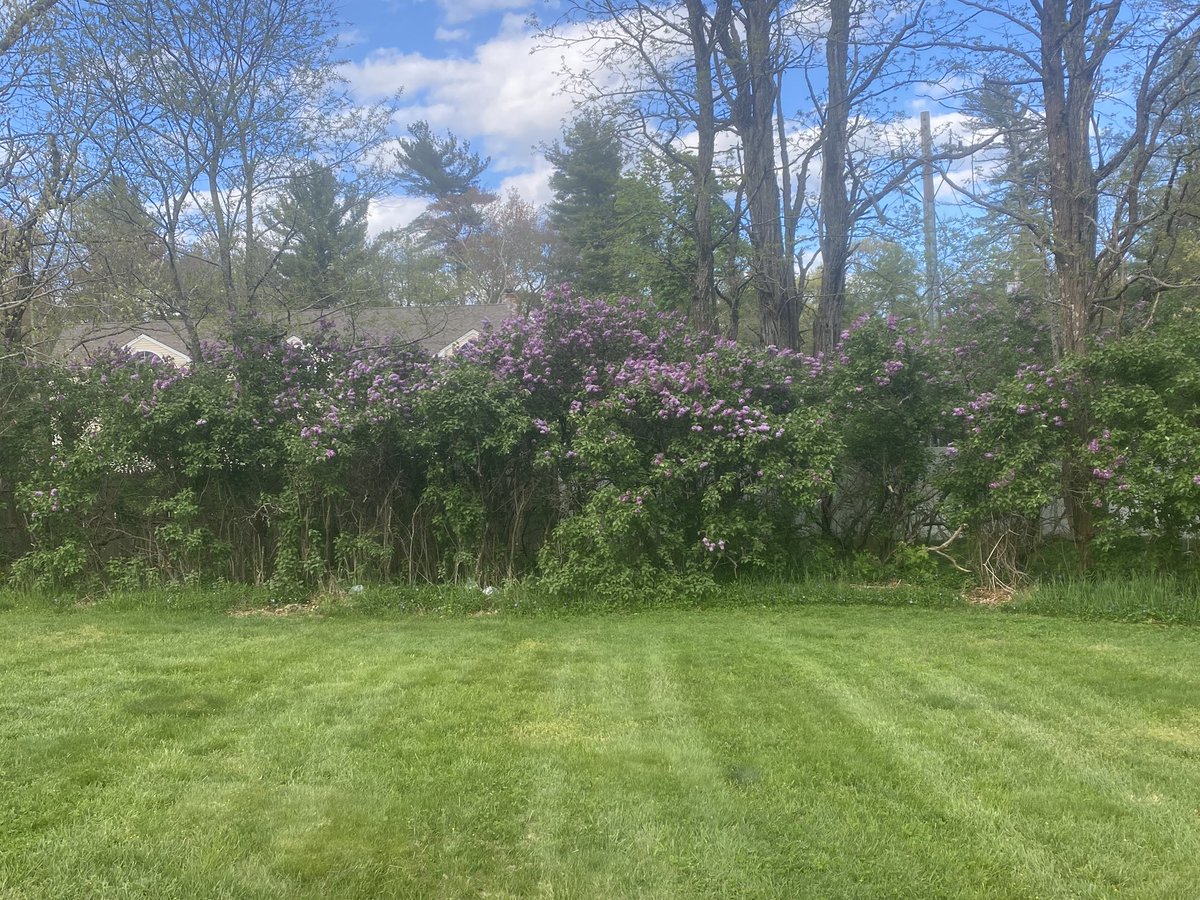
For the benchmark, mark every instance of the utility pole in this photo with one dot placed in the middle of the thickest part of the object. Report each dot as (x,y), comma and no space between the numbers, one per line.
(931,256)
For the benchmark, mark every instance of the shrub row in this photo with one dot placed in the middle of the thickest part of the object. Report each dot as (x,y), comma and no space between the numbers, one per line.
(600,446)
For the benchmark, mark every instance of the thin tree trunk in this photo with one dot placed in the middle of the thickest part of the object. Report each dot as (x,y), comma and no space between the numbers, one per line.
(790,218)
(224,242)
(704,300)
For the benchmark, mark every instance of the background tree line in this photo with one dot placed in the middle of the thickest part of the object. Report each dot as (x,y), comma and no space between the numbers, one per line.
(203,162)
(753,163)
(795,120)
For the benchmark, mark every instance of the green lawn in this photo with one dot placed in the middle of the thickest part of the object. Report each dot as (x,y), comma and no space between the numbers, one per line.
(822,752)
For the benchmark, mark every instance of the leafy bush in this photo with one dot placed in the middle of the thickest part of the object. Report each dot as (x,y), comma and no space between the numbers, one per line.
(601,448)
(885,391)
(1143,456)
(1108,445)
(698,466)
(295,466)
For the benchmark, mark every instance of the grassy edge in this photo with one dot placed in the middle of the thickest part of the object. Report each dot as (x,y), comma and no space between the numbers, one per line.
(461,599)
(1145,598)
(1150,598)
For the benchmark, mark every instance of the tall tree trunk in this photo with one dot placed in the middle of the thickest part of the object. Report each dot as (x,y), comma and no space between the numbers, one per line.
(249,273)
(777,314)
(23,287)
(224,242)
(835,221)
(754,66)
(704,295)
(1069,90)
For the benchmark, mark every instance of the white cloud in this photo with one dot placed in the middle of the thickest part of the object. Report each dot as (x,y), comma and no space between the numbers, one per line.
(725,145)
(506,97)
(386,213)
(351,37)
(451,34)
(533,185)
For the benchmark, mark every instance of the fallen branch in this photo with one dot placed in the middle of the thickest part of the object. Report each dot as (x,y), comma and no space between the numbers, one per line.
(940,549)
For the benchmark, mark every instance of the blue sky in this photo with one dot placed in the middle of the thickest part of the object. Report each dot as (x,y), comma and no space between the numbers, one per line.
(474,67)
(467,66)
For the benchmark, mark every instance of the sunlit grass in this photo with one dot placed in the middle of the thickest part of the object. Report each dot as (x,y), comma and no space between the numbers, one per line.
(780,752)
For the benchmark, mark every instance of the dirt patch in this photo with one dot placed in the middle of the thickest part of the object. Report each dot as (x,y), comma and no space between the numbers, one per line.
(985,596)
(289,609)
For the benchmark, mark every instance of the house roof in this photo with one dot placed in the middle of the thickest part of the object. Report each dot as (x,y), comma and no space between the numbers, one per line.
(433,328)
(80,343)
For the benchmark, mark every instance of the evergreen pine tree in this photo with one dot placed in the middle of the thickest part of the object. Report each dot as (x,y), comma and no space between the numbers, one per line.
(444,171)
(324,225)
(586,180)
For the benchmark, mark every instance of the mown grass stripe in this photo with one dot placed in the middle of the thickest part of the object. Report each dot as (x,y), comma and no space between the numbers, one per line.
(825,751)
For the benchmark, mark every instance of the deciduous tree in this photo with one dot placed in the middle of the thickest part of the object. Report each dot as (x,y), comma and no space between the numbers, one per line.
(1104,82)
(216,103)
(54,148)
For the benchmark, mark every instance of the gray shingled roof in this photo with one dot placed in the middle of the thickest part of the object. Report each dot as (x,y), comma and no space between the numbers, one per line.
(431,327)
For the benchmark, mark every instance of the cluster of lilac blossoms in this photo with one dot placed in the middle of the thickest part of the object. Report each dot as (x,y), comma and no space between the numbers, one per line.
(576,354)
(695,410)
(572,346)
(372,387)
(683,391)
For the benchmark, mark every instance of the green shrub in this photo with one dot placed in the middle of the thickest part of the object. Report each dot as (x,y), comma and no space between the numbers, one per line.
(1113,437)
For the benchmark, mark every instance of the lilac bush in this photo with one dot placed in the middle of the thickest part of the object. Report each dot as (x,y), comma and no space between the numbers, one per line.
(884,389)
(598,446)
(1106,449)
(650,453)
(292,464)
(690,466)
